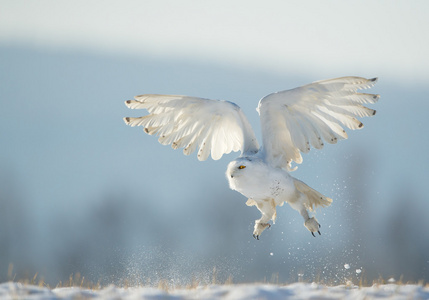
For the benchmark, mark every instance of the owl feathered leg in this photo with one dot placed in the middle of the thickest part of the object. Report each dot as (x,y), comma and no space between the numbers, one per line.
(267,207)
(307,198)
(310,223)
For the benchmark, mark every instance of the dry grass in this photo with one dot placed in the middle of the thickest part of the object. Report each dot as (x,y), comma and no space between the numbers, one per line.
(77,280)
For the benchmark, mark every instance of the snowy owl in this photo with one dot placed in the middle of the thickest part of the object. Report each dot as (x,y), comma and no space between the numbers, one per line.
(292,122)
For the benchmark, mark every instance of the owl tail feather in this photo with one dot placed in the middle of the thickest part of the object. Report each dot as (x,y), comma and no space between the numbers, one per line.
(314,198)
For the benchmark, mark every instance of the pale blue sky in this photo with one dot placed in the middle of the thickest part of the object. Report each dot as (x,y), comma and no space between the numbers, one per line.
(324,38)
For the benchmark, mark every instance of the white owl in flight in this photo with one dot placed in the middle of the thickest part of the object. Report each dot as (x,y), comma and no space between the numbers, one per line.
(292,121)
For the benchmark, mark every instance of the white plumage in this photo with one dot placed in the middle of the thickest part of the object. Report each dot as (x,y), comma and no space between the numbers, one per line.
(292,122)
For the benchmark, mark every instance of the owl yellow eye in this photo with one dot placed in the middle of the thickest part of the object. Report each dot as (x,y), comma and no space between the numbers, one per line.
(241,167)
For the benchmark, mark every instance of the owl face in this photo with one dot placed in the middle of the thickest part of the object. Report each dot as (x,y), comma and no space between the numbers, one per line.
(245,168)
(238,168)
(236,173)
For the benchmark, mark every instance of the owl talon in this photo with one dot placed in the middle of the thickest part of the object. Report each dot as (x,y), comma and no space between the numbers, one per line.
(259,227)
(313,226)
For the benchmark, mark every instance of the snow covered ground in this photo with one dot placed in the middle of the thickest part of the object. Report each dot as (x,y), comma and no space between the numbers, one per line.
(12,290)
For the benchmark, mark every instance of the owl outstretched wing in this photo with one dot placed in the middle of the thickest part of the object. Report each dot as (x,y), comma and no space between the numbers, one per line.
(294,120)
(212,126)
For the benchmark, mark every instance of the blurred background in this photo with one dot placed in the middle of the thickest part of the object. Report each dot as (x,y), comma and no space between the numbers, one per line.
(80,192)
